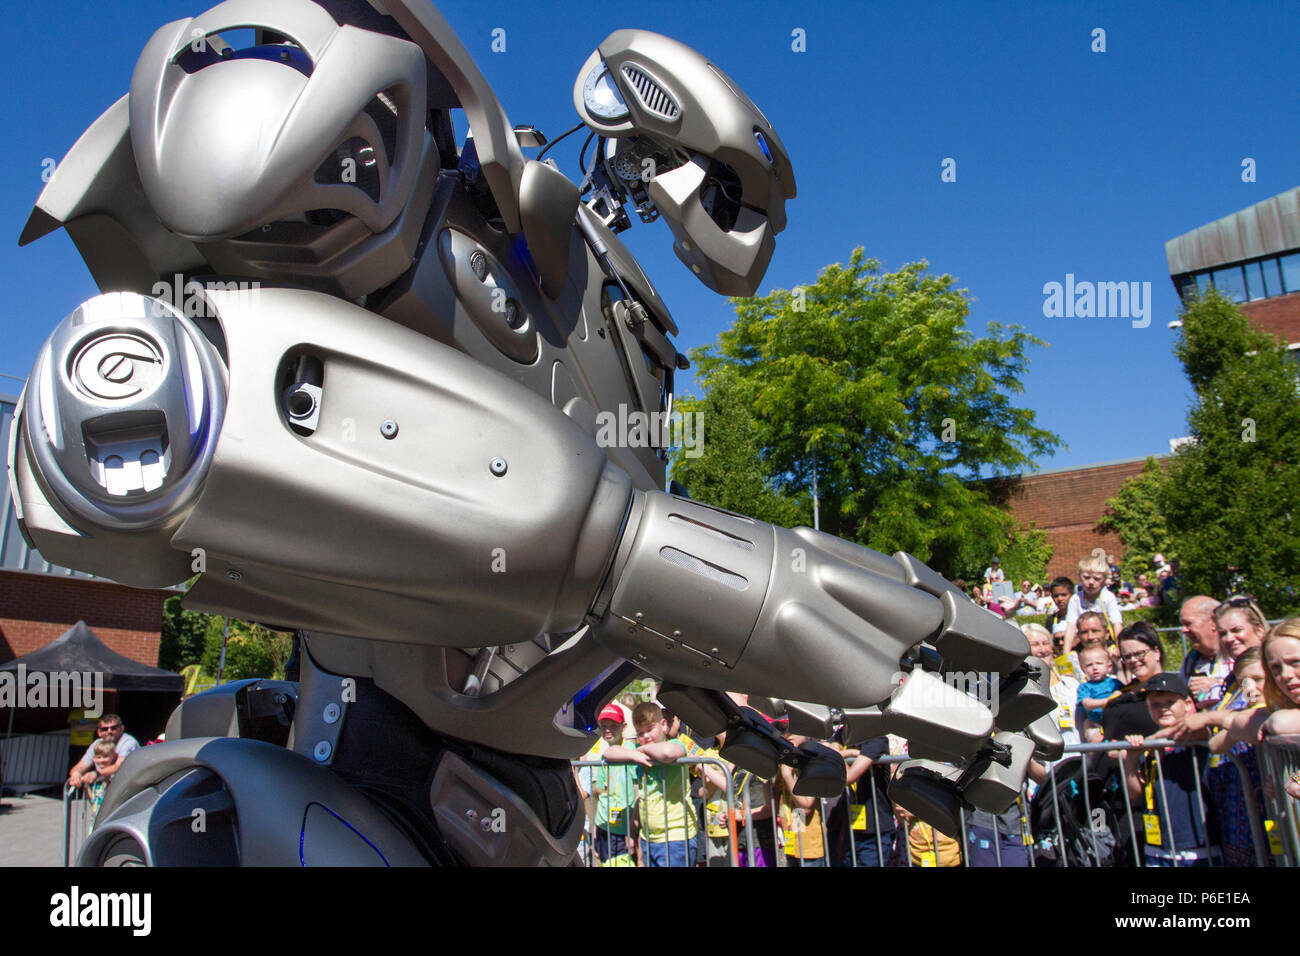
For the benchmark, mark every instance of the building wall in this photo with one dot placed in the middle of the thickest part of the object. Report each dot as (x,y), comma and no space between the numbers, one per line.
(1280,316)
(1067,506)
(37,608)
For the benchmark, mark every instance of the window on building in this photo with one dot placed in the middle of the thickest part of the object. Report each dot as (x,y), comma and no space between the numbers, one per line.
(1255,285)
(1230,282)
(1290,266)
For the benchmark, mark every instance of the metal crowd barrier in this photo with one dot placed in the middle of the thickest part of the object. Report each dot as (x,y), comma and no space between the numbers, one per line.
(78,820)
(1279,757)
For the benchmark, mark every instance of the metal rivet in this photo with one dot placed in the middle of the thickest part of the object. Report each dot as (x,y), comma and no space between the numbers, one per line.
(388,428)
(497,466)
(471,815)
(638,615)
(485,824)
(235,575)
(331,713)
(713,650)
(323,750)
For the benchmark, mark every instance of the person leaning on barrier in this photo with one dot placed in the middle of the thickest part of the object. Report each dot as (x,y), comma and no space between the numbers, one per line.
(667,818)
(801,818)
(1164,784)
(614,791)
(1281,654)
(112,729)
(867,813)
(1207,665)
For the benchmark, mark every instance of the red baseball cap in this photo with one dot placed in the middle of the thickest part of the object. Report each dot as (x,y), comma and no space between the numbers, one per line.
(612,712)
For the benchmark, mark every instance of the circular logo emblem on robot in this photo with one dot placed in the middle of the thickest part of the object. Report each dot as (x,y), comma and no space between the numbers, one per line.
(117,366)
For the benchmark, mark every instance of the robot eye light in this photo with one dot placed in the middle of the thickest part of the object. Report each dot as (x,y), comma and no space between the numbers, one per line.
(762,144)
(601,95)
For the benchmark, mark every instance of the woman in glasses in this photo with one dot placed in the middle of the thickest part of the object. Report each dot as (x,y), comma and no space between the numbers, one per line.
(1143,657)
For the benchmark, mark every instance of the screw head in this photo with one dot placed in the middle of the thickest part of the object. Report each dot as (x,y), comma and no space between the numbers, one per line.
(235,575)
(498,466)
(331,713)
(471,815)
(323,751)
(388,428)
(485,824)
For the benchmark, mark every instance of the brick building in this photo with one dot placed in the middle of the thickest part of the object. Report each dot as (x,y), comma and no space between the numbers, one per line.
(39,601)
(1066,504)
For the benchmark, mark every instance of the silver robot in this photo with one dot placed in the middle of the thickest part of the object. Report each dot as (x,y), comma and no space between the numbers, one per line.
(354,375)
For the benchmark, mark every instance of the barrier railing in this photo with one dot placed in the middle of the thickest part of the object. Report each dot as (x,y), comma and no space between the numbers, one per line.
(1093,818)
(78,820)
(1280,765)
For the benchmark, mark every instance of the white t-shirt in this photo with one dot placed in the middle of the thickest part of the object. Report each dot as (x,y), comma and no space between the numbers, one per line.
(994,575)
(1106,604)
(125,744)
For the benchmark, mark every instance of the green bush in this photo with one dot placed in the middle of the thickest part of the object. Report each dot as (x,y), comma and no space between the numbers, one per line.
(251,651)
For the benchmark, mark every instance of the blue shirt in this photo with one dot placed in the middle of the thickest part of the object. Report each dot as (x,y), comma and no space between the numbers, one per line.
(1098,690)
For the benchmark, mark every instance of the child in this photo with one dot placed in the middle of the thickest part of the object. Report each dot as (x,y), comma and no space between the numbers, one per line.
(1099,689)
(614,790)
(801,820)
(105,755)
(1061,591)
(718,825)
(1093,595)
(1175,810)
(668,824)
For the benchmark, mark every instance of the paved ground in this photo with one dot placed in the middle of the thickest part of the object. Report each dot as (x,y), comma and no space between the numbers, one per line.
(31,830)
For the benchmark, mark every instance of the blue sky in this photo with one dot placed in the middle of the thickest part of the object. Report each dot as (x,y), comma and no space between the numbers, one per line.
(1067,160)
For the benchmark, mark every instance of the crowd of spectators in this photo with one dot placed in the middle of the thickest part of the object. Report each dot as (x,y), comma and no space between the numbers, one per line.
(1238,682)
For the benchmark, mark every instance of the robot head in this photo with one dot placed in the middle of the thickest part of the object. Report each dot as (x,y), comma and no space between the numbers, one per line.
(297,154)
(714,167)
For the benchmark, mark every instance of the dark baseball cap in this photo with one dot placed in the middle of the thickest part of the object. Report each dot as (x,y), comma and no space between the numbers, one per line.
(1168,681)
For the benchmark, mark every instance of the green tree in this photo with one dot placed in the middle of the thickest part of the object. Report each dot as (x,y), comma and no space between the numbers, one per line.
(251,650)
(1134,515)
(1233,493)
(731,437)
(873,381)
(1025,557)
(182,638)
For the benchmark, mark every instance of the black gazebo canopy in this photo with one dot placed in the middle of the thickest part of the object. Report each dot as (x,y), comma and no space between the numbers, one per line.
(79,650)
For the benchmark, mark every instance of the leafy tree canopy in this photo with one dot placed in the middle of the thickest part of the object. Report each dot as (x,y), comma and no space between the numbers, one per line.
(1233,493)
(873,381)
(1134,516)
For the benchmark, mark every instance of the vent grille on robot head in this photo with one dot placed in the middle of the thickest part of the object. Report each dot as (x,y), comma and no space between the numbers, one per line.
(652,96)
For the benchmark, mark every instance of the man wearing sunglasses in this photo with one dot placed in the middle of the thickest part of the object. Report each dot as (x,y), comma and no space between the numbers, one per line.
(110,728)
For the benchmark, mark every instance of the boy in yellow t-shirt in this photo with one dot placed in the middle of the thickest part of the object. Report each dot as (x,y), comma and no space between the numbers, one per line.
(664,806)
